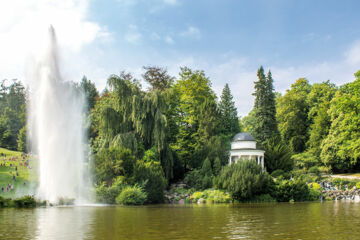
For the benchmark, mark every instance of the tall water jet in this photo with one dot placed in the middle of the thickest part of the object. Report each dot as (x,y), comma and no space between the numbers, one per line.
(57,136)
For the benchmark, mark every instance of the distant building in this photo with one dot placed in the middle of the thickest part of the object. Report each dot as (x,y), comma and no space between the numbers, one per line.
(243,146)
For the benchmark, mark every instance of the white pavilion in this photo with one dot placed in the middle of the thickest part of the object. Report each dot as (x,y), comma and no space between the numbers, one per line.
(243,146)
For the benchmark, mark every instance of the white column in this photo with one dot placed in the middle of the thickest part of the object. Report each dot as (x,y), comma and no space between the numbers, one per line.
(262,161)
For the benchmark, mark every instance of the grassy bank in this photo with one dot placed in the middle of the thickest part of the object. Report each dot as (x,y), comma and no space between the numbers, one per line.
(17,170)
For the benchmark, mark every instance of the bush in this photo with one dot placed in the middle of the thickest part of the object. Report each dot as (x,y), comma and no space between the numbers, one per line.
(106,194)
(314,186)
(193,179)
(22,202)
(131,196)
(151,177)
(262,198)
(315,170)
(277,173)
(211,196)
(244,180)
(287,190)
(357,185)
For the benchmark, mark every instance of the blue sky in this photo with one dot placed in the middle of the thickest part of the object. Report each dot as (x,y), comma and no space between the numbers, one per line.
(229,39)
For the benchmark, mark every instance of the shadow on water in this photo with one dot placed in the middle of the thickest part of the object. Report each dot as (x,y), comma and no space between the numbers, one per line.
(328,220)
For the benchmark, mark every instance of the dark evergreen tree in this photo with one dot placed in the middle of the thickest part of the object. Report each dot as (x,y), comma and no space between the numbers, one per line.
(229,118)
(265,109)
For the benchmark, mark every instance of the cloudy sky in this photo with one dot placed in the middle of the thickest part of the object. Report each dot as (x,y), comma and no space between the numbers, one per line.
(229,39)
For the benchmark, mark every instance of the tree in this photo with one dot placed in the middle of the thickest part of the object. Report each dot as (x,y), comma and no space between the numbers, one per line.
(91,93)
(158,78)
(340,150)
(292,115)
(197,116)
(151,177)
(130,117)
(12,113)
(277,155)
(229,118)
(265,125)
(21,140)
(319,100)
(113,162)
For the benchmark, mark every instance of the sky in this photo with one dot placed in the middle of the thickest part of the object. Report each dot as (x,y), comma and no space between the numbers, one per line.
(228,39)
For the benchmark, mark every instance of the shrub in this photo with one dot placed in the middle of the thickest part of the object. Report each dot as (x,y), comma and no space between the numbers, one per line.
(315,170)
(193,179)
(106,194)
(357,185)
(151,177)
(211,196)
(262,198)
(277,173)
(287,190)
(314,186)
(131,196)
(244,180)
(314,194)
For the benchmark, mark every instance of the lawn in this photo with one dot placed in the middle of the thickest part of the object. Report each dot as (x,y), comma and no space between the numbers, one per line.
(25,174)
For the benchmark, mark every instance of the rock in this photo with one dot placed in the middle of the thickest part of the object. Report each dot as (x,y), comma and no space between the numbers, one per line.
(181,201)
(201,200)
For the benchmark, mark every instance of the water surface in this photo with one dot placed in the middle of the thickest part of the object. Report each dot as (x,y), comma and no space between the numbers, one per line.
(328,220)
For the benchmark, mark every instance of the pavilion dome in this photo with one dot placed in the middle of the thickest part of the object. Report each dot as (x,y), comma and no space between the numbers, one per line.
(243,136)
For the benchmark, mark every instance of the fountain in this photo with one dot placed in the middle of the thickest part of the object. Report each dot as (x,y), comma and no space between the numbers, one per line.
(56,133)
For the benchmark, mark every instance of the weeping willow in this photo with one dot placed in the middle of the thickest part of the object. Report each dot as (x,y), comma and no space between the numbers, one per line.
(132,118)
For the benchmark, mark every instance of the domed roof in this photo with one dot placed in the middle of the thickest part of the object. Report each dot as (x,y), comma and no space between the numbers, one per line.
(244,136)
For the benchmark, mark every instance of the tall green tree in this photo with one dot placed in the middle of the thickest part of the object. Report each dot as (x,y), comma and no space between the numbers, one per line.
(340,150)
(229,118)
(90,90)
(319,100)
(265,126)
(197,116)
(292,115)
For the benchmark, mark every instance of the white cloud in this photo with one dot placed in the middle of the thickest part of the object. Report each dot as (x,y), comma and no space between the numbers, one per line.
(169,40)
(24,25)
(353,54)
(133,35)
(171,2)
(191,32)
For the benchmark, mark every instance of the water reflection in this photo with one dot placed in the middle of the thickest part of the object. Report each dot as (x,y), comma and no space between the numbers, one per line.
(64,222)
(329,220)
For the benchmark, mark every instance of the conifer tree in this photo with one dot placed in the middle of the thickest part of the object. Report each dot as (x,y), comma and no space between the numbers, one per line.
(229,118)
(264,107)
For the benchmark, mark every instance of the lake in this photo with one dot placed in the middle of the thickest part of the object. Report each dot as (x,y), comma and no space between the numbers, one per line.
(313,220)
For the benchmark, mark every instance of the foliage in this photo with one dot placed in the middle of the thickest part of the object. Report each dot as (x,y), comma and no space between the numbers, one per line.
(277,155)
(151,177)
(12,109)
(265,125)
(341,148)
(295,190)
(262,198)
(22,202)
(91,93)
(292,115)
(197,116)
(21,140)
(106,194)
(211,196)
(229,119)
(131,196)
(319,99)
(305,160)
(278,173)
(113,162)
(158,78)
(244,180)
